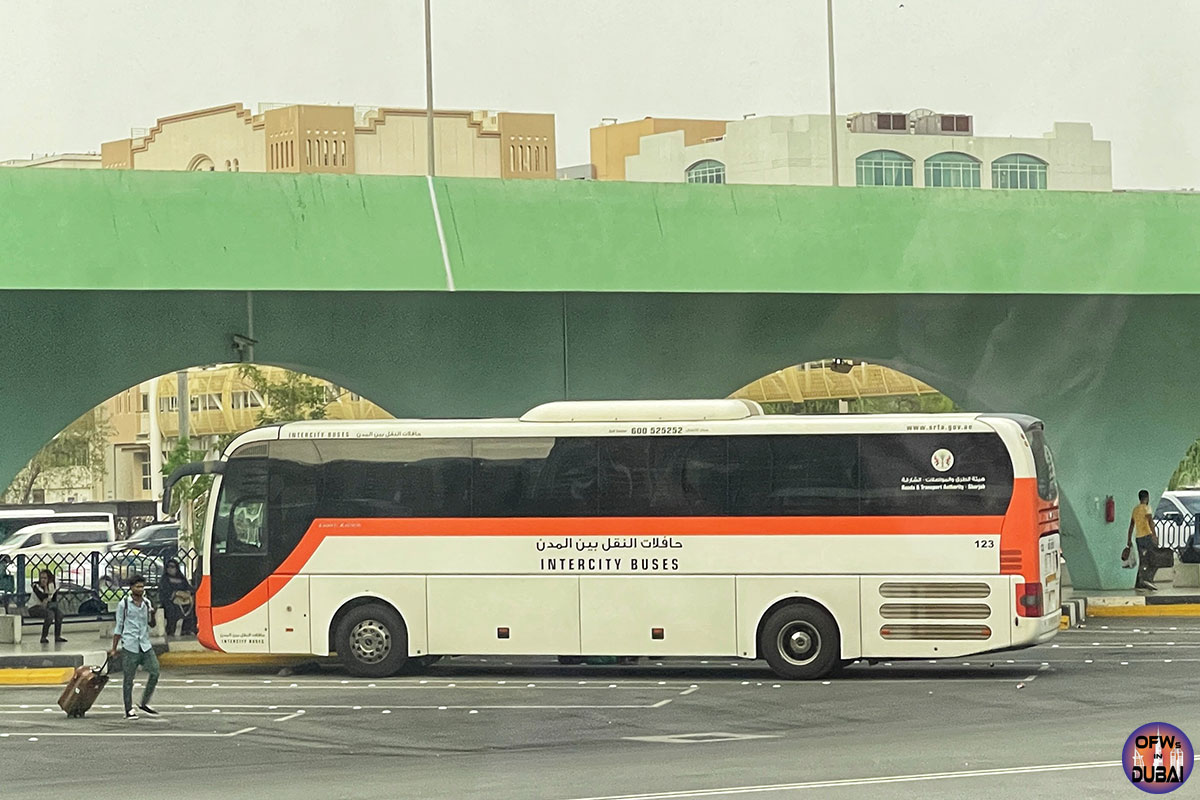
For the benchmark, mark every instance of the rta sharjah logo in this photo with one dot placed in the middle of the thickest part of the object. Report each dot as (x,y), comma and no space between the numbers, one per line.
(942,460)
(1157,758)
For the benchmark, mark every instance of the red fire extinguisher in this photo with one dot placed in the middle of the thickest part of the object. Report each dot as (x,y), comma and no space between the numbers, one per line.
(1110,510)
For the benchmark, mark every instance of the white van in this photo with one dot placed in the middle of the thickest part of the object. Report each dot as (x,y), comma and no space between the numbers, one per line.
(72,541)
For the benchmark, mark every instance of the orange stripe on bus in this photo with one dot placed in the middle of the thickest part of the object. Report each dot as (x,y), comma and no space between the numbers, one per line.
(321,529)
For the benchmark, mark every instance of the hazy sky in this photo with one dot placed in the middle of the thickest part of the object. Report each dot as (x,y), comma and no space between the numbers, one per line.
(76,73)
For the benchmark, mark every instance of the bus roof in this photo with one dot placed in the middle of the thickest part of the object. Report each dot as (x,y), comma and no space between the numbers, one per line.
(614,418)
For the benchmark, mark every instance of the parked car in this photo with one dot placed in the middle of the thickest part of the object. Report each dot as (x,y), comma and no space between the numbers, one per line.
(160,540)
(142,554)
(1175,517)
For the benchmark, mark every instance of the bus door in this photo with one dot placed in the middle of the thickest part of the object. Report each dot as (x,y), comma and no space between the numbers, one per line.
(240,557)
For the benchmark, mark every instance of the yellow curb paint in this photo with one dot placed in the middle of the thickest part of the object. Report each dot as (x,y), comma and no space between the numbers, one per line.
(51,676)
(222,659)
(1174,610)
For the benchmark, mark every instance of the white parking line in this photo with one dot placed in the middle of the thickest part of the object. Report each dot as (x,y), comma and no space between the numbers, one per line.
(121,734)
(832,784)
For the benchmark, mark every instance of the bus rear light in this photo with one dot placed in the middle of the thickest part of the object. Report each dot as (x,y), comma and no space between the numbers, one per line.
(656,633)
(501,633)
(1029,599)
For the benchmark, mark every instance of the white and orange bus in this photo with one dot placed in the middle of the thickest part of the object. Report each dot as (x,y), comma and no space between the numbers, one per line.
(634,528)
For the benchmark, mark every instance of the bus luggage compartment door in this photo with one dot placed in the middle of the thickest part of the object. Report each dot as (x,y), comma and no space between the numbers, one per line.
(287,612)
(481,614)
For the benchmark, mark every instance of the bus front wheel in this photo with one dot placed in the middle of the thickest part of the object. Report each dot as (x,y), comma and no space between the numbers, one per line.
(372,641)
(800,642)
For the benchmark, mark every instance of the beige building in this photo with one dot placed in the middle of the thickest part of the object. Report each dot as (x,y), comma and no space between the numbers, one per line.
(920,148)
(57,161)
(341,139)
(221,402)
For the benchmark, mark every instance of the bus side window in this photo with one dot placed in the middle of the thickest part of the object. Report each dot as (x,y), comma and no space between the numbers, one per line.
(505,475)
(567,486)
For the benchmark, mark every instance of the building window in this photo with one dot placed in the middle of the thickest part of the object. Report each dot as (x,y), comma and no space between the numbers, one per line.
(308,152)
(236,168)
(143,460)
(342,148)
(1018,171)
(206,402)
(956,123)
(891,122)
(884,168)
(168,403)
(245,399)
(706,171)
(958,170)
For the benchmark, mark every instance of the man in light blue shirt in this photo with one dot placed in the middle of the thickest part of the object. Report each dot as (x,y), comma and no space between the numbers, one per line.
(132,635)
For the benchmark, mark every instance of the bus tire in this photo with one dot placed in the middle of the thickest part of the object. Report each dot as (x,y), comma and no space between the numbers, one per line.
(800,642)
(372,641)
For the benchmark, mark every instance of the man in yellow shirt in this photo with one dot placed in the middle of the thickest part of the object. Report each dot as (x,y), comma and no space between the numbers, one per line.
(1141,522)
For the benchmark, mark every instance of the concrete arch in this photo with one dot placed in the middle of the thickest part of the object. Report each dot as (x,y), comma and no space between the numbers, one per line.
(1078,308)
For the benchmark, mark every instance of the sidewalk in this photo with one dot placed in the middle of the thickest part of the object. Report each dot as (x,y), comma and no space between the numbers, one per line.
(30,662)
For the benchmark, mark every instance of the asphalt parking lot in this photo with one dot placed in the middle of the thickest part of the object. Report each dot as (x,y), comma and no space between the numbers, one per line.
(1048,722)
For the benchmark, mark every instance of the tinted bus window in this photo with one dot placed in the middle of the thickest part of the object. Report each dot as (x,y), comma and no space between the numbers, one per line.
(396,478)
(644,476)
(241,505)
(293,491)
(1044,463)
(938,474)
(505,475)
(567,485)
(794,475)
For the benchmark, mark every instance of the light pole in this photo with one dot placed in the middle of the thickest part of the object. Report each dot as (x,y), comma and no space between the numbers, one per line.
(833,126)
(429,91)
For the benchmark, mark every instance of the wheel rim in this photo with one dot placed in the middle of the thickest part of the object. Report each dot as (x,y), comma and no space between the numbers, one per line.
(799,643)
(370,641)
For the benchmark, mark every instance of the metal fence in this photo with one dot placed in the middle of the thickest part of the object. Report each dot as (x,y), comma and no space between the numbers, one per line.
(90,584)
(1176,531)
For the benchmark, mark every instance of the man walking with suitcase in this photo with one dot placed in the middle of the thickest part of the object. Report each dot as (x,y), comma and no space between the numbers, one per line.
(132,635)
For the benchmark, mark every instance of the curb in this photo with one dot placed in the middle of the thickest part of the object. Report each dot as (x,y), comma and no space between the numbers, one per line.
(1074,613)
(214,659)
(32,676)
(1147,610)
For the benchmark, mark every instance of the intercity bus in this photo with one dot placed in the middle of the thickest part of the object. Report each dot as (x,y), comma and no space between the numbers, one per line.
(634,528)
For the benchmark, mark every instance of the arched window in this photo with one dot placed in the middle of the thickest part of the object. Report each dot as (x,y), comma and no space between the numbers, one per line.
(236,168)
(952,169)
(884,168)
(1018,171)
(707,171)
(228,165)
(201,163)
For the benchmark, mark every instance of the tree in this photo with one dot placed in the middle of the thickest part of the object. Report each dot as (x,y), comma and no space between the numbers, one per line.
(80,449)
(189,498)
(294,397)
(1188,472)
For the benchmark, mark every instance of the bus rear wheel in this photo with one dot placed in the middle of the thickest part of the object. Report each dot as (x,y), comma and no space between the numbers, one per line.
(372,641)
(800,642)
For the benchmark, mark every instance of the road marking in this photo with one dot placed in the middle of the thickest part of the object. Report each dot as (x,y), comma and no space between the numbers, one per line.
(129,734)
(290,716)
(688,691)
(885,779)
(701,738)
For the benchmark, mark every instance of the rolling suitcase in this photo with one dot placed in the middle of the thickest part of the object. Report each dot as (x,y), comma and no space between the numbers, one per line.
(82,689)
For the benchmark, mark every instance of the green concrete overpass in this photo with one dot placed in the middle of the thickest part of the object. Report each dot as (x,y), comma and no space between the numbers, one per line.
(485,297)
